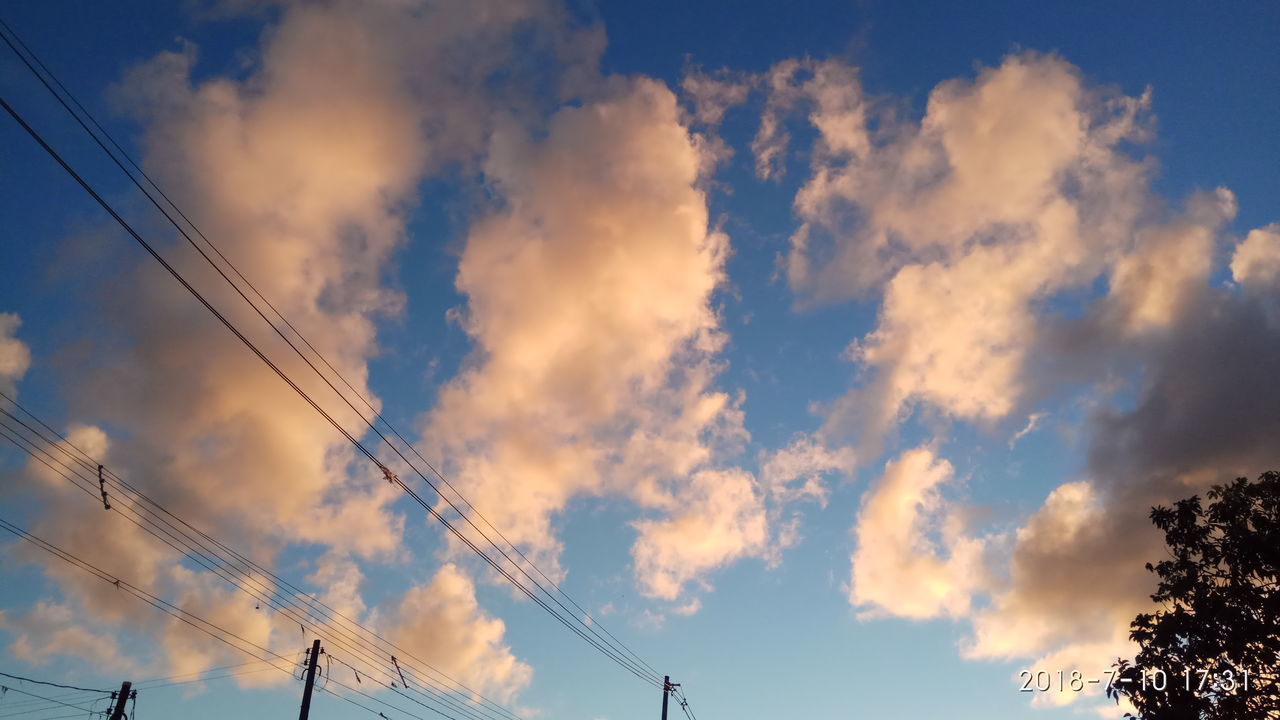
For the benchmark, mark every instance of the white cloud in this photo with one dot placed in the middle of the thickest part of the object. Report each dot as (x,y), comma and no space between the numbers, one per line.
(1151,284)
(442,624)
(714,93)
(689,608)
(795,472)
(718,517)
(1014,189)
(589,301)
(898,567)
(1256,260)
(770,143)
(1033,420)
(303,172)
(15,356)
(47,629)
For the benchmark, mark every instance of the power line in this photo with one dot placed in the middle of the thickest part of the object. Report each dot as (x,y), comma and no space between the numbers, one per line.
(217,632)
(160,604)
(127,502)
(138,685)
(464,709)
(360,446)
(684,704)
(172,610)
(53,684)
(14,708)
(65,717)
(57,702)
(615,650)
(205,678)
(603,648)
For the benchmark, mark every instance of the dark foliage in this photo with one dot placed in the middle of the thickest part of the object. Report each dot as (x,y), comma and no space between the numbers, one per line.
(1220,610)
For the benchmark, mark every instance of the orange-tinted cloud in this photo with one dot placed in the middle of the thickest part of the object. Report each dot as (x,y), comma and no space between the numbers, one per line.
(15,356)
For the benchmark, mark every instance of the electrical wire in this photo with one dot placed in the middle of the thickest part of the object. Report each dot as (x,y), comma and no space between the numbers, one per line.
(206,678)
(126,504)
(140,683)
(19,707)
(615,650)
(684,704)
(626,665)
(186,617)
(611,648)
(392,686)
(458,706)
(156,602)
(53,684)
(51,700)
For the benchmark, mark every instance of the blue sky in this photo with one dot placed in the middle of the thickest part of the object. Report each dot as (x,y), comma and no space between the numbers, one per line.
(859,431)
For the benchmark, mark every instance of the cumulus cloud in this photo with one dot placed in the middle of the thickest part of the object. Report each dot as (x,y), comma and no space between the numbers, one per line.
(796,472)
(1151,285)
(1009,190)
(302,171)
(1204,413)
(1015,189)
(590,279)
(717,518)
(15,356)
(47,629)
(1256,260)
(714,93)
(441,623)
(799,472)
(589,303)
(898,566)
(838,110)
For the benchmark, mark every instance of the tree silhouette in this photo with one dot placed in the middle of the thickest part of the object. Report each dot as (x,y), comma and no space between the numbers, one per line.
(1220,611)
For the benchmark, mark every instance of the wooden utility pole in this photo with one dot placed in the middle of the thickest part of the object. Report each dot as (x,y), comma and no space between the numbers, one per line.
(121,698)
(312,661)
(667,688)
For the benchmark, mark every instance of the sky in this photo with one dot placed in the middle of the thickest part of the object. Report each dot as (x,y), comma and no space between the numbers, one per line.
(830,356)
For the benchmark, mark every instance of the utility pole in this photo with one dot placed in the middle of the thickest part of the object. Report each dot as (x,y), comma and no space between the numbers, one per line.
(312,661)
(121,698)
(667,688)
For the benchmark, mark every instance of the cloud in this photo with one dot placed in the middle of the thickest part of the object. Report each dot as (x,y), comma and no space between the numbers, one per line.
(791,475)
(770,143)
(714,93)
(441,623)
(1203,414)
(991,162)
(1256,260)
(1033,420)
(1151,284)
(1073,519)
(1016,189)
(47,629)
(589,302)
(1009,190)
(717,518)
(838,110)
(341,579)
(15,356)
(689,608)
(898,568)
(804,460)
(303,172)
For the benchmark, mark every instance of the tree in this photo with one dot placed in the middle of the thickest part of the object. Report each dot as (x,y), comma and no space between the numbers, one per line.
(1219,610)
